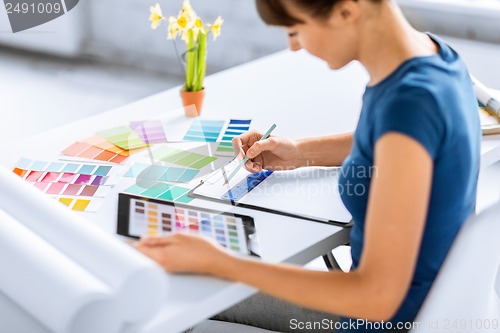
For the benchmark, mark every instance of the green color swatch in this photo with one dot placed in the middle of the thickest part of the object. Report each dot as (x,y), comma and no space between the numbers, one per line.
(162,191)
(181,157)
(161,173)
(123,137)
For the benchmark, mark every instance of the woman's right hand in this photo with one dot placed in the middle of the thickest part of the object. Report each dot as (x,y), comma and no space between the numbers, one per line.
(274,153)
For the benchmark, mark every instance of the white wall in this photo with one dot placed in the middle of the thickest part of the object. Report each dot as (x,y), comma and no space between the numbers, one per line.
(482,59)
(119,31)
(466,19)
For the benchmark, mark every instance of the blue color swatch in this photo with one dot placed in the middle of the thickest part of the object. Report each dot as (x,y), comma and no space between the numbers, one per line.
(205,130)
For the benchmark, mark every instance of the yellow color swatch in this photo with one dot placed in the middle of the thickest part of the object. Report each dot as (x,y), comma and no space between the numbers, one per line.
(66,201)
(81,205)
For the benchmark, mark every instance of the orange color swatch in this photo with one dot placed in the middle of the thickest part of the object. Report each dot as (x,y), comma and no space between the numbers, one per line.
(85,150)
(102,143)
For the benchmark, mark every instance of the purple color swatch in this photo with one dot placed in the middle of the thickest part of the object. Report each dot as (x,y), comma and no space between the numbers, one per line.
(150,131)
(83,179)
(99,180)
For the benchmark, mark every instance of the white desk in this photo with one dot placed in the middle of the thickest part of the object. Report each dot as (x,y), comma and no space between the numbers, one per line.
(267,92)
(295,91)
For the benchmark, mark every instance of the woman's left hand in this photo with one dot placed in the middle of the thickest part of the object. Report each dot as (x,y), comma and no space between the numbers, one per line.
(183,253)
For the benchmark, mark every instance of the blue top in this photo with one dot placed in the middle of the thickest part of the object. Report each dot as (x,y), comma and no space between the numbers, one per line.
(431,100)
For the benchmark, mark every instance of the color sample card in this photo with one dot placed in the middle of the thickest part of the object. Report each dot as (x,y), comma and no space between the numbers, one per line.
(81,205)
(162,191)
(75,190)
(65,178)
(204,130)
(234,129)
(161,173)
(89,151)
(123,137)
(182,157)
(76,185)
(153,219)
(58,166)
(150,131)
(35,171)
(102,143)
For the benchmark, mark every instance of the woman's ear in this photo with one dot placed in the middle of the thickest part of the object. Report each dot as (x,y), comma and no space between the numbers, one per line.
(345,12)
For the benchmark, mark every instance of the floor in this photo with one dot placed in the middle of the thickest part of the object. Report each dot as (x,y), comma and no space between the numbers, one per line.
(41,92)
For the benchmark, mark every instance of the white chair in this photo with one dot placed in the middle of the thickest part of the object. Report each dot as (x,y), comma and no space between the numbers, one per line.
(464,297)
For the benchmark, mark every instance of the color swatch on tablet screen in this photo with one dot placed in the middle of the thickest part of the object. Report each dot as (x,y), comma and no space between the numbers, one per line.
(155,219)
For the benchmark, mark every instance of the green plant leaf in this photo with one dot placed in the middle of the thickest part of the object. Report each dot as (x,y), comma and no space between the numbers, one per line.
(201,61)
(191,62)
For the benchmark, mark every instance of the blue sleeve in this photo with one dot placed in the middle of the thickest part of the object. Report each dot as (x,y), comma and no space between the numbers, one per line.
(413,112)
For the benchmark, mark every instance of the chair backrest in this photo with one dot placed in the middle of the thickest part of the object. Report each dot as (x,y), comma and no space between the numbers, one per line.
(464,296)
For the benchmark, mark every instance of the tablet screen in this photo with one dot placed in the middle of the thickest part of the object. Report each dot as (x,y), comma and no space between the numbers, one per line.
(138,217)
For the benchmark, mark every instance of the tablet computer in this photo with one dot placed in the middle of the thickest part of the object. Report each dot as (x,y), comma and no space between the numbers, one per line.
(139,216)
(311,193)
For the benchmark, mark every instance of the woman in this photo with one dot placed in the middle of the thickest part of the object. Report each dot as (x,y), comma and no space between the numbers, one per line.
(418,129)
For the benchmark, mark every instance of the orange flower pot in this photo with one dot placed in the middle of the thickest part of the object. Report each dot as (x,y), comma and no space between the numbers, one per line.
(193,102)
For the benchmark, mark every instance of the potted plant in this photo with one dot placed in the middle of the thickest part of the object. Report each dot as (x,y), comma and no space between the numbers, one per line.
(194,32)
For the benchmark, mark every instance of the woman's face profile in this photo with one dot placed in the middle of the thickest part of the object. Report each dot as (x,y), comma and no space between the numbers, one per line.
(332,39)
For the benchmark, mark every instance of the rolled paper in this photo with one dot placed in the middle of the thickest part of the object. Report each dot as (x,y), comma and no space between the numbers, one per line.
(16,319)
(139,283)
(49,286)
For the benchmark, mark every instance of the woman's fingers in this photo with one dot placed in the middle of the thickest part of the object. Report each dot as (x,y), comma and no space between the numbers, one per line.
(238,147)
(253,167)
(259,147)
(244,141)
(155,241)
(182,253)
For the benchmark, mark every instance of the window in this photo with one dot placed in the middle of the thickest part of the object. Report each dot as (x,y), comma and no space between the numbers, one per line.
(485,8)
(469,19)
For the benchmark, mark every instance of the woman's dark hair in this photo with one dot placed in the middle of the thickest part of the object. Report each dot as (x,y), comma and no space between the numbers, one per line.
(275,12)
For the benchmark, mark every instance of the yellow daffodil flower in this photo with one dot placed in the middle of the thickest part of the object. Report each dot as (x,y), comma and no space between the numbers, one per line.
(156,16)
(198,27)
(194,32)
(215,28)
(187,9)
(186,23)
(173,28)
(198,23)
(183,22)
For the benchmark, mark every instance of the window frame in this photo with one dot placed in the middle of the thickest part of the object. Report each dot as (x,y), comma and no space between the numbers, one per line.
(477,20)
(482,8)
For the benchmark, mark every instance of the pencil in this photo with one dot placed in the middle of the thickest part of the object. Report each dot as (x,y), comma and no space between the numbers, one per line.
(243,161)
